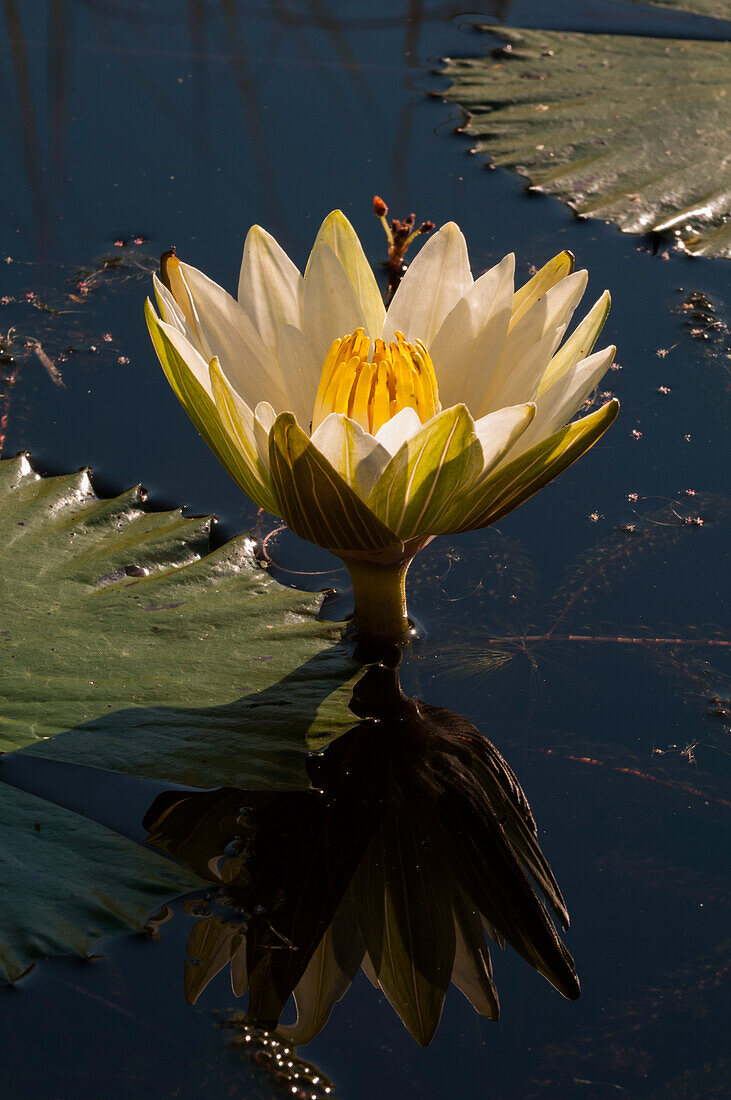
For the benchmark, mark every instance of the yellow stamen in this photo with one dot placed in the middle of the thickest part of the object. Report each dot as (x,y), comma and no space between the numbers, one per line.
(373,390)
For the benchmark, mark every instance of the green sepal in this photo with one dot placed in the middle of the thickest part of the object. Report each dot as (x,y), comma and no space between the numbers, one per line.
(520,479)
(317,503)
(419,483)
(204,414)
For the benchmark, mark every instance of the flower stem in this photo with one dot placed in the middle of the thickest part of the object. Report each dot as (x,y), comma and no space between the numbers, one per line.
(379,592)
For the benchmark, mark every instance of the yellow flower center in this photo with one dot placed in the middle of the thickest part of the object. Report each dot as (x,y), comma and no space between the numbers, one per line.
(372,390)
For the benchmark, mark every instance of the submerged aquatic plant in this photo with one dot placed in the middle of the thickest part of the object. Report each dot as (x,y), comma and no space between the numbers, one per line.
(370,431)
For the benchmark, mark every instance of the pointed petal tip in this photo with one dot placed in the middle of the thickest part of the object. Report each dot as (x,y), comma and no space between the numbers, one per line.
(337,216)
(151,315)
(449,229)
(573,989)
(257,231)
(287,420)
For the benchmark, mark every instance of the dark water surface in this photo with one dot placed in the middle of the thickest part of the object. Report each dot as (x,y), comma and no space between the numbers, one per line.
(130,127)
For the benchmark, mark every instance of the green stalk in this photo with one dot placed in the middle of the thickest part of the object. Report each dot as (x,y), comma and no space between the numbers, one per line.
(379,592)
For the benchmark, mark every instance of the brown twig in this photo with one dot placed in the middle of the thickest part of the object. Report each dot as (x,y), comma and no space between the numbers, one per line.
(52,370)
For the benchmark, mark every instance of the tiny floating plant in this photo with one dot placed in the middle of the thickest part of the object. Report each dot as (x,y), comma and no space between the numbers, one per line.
(370,430)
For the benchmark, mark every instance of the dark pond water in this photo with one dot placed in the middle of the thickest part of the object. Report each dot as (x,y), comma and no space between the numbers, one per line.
(130,127)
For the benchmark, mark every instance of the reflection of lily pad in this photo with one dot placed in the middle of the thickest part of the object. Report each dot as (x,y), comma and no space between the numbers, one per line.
(126,644)
(67,883)
(627,129)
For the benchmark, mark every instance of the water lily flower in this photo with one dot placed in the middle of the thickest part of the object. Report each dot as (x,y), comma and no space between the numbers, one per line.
(370,431)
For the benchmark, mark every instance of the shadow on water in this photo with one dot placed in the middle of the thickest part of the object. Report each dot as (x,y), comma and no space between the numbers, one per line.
(259,740)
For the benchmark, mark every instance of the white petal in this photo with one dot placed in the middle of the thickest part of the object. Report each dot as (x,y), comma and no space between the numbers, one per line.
(526,345)
(579,344)
(301,373)
(355,455)
(521,383)
(432,286)
(229,333)
(557,268)
(269,286)
(498,431)
(191,320)
(251,429)
(266,415)
(469,342)
(398,429)
(330,306)
(190,355)
(337,232)
(171,312)
(558,404)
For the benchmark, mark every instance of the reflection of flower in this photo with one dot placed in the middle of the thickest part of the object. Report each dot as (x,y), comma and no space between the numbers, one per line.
(370,431)
(415,839)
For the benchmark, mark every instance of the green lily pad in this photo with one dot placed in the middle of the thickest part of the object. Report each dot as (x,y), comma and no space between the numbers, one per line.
(127,644)
(626,129)
(67,883)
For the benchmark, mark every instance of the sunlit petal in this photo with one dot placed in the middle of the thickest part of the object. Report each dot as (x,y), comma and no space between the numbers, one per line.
(187,376)
(499,431)
(330,305)
(269,286)
(398,429)
(301,371)
(187,352)
(317,503)
(170,311)
(549,275)
(519,478)
(435,281)
(419,483)
(248,434)
(337,232)
(468,344)
(531,343)
(557,405)
(579,344)
(357,456)
(226,329)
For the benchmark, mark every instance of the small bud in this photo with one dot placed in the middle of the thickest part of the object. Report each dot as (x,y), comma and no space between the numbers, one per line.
(379,207)
(172,278)
(169,263)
